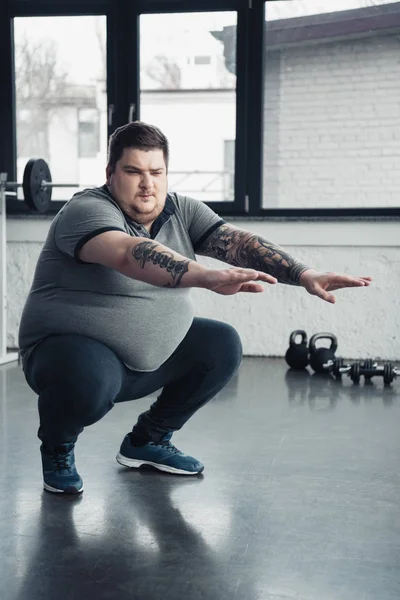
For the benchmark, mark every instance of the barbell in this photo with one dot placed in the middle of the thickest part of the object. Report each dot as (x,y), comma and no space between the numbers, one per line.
(37,185)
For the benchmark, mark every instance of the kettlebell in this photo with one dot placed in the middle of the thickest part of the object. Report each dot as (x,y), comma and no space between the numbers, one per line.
(297,353)
(320,356)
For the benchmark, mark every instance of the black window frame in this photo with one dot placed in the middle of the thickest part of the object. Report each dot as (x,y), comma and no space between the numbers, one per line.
(29,8)
(123,93)
(256,190)
(239,205)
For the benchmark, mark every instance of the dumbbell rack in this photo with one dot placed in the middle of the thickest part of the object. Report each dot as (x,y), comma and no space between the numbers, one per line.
(5,357)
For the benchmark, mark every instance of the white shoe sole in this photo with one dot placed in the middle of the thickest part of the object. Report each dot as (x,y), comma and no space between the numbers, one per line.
(57,491)
(136,464)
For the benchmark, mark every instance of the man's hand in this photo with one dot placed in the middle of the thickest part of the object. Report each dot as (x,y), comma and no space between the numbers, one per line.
(231,281)
(320,284)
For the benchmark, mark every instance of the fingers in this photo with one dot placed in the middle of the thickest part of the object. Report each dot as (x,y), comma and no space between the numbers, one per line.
(252,288)
(267,278)
(326,296)
(347,281)
(336,282)
(335,285)
(363,280)
(333,281)
(254,275)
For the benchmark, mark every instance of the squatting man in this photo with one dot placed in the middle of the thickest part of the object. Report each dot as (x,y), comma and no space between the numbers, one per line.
(108,317)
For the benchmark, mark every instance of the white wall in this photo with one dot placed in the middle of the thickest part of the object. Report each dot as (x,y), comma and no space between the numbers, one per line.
(332,124)
(366,321)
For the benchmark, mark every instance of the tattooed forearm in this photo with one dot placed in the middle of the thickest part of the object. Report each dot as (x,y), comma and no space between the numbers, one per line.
(244,249)
(146,252)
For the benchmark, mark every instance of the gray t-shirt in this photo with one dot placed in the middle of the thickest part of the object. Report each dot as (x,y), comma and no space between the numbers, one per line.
(142,323)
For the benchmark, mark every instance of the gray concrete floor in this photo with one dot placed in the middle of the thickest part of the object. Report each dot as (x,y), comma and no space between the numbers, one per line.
(299,499)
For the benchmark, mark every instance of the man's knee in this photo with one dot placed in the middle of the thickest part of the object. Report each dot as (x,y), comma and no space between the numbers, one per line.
(224,346)
(232,345)
(89,397)
(78,375)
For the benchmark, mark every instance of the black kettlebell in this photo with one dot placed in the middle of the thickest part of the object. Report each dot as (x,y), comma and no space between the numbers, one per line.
(297,353)
(321,356)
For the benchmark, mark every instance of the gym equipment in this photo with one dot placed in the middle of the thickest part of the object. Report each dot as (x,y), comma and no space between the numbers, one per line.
(36,184)
(337,367)
(37,187)
(369,369)
(297,353)
(320,357)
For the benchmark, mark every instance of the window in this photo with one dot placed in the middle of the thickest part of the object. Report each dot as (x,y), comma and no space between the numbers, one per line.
(88,132)
(332,105)
(202,60)
(287,107)
(32,133)
(191,96)
(60,90)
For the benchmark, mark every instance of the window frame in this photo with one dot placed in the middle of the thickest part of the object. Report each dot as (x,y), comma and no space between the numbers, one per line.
(123,93)
(238,206)
(258,20)
(36,8)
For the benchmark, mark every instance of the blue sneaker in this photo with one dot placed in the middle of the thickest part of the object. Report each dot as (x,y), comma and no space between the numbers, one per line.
(59,472)
(161,455)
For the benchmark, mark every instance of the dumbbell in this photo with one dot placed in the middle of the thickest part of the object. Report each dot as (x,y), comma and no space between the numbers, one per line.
(297,353)
(369,369)
(322,360)
(337,367)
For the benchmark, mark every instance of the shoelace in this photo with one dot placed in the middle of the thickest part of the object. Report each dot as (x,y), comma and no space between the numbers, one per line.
(61,462)
(167,445)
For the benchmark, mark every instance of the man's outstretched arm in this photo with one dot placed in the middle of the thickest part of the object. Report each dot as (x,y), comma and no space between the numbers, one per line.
(245,249)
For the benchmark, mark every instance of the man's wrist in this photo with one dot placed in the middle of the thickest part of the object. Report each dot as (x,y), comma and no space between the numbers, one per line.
(197,275)
(304,274)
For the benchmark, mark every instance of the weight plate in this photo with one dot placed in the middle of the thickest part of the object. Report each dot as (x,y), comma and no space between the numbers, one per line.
(338,364)
(38,198)
(355,372)
(388,373)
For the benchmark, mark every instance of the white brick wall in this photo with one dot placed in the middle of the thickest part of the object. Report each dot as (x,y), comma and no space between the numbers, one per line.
(366,321)
(332,124)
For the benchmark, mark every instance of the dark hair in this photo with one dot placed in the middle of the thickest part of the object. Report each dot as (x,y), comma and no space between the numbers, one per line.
(139,135)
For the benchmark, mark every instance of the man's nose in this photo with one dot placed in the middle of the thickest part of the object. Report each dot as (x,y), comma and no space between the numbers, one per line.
(145,181)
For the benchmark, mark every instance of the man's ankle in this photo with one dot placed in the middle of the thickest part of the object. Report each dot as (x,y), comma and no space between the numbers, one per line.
(57,449)
(138,440)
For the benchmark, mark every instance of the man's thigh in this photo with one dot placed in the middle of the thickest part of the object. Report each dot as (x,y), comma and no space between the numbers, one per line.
(69,359)
(206,343)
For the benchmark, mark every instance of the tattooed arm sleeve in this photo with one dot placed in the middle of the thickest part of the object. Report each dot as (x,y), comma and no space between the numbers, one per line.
(150,252)
(244,249)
